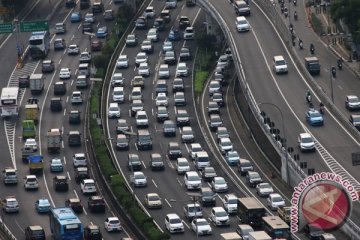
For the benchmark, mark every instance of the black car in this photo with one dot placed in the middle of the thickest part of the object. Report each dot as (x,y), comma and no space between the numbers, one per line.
(169,128)
(208,197)
(174,150)
(159,24)
(185,54)
(134,162)
(24,81)
(55,104)
(74,204)
(161,87)
(47,66)
(70,3)
(74,139)
(184,22)
(87,27)
(92,232)
(96,204)
(34,232)
(208,173)
(81,173)
(156,162)
(355,121)
(74,117)
(144,140)
(59,88)
(140,23)
(61,183)
(213,107)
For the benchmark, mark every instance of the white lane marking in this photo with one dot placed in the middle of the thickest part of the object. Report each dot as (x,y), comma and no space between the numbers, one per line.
(168,203)
(64,111)
(178,180)
(154,183)
(64,160)
(143,164)
(68,175)
(17,224)
(186,224)
(60,61)
(67,99)
(77,196)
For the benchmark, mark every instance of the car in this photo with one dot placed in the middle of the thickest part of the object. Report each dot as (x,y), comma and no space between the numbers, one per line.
(225,145)
(122,142)
(92,232)
(102,32)
(76,97)
(194,149)
(31,143)
(182,70)
(75,17)
(141,57)
(88,186)
(79,160)
(10,204)
(182,117)
(187,134)
(139,179)
(264,189)
(70,3)
(192,181)
(117,80)
(153,35)
(242,24)
(185,54)
(142,120)
(219,216)
(75,117)
(213,108)
(243,230)
(164,71)
(90,18)
(161,100)
(201,226)
(147,46)
(174,150)
(192,210)
(122,62)
(85,57)
(87,27)
(42,205)
(73,49)
(215,121)
(31,182)
(112,224)
(313,231)
(143,71)
(149,12)
(152,200)
(184,22)
(314,118)
(34,232)
(24,81)
(136,105)
(159,24)
(202,160)
(189,33)
(96,204)
(279,65)
(352,102)
(122,126)
(134,162)
(109,15)
(156,162)
(219,184)
(274,201)
(165,14)
(214,87)
(208,174)
(178,85)
(144,140)
(253,178)
(96,45)
(182,165)
(173,223)
(218,98)
(306,142)
(81,173)
(140,23)
(174,35)
(223,62)
(167,46)
(179,99)
(355,121)
(232,158)
(114,110)
(56,165)
(169,128)
(47,66)
(162,114)
(65,73)
(161,87)
(131,40)
(61,183)
(170,57)
(230,203)
(75,204)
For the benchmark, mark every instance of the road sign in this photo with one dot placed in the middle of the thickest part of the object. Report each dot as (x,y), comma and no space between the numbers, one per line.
(33,26)
(6,28)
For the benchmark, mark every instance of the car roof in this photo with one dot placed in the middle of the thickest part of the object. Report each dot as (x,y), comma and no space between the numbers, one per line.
(305,135)
(218,209)
(279,57)
(172,215)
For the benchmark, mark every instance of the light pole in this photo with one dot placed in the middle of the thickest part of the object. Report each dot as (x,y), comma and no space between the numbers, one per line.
(285,145)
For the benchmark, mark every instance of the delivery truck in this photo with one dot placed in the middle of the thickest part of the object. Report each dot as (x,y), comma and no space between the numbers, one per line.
(54,140)
(32,110)
(28,129)
(36,164)
(36,83)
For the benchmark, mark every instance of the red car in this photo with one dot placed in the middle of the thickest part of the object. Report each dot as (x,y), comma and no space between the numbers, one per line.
(96,45)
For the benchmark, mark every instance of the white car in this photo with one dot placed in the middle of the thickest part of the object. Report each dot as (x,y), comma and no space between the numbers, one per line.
(141,119)
(112,224)
(143,69)
(264,189)
(88,186)
(225,145)
(10,204)
(79,160)
(194,148)
(230,203)
(173,223)
(139,179)
(76,97)
(189,33)
(65,73)
(214,87)
(279,65)
(306,142)
(117,80)
(114,110)
(31,143)
(153,35)
(219,216)
(187,134)
(242,25)
(149,12)
(219,184)
(141,57)
(89,17)
(31,182)
(118,94)
(192,180)
(73,49)
(153,200)
(122,62)
(164,71)
(182,70)
(182,165)
(168,46)
(275,200)
(161,100)
(352,102)
(201,227)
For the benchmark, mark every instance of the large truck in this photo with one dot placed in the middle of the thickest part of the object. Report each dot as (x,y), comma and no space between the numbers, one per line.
(36,164)
(36,83)
(97,7)
(84,4)
(54,140)
(28,129)
(250,211)
(32,110)
(259,235)
(230,236)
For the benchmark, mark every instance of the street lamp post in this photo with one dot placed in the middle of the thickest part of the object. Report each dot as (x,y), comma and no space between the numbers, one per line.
(285,144)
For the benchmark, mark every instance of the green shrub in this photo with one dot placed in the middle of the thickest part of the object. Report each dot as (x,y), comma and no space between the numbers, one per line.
(200,78)
(317,24)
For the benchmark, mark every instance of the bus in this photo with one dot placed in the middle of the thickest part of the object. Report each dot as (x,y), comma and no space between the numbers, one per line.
(65,225)
(39,44)
(9,102)
(276,227)
(250,211)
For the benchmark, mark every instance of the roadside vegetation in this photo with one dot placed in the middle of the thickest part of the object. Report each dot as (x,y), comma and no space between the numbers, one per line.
(108,170)
(317,24)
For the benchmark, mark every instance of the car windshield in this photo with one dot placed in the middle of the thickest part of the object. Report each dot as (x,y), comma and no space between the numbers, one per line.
(175,221)
(226,143)
(164,69)
(217,97)
(222,132)
(265,185)
(243,22)
(182,68)
(214,85)
(183,164)
(201,223)
(232,201)
(233,155)
(139,176)
(187,132)
(141,56)
(113,109)
(277,199)
(122,58)
(221,214)
(220,181)
(131,37)
(354,99)
(153,198)
(280,63)
(162,98)
(356,119)
(56,161)
(140,116)
(307,140)
(194,209)
(193,178)
(183,114)
(315,114)
(254,175)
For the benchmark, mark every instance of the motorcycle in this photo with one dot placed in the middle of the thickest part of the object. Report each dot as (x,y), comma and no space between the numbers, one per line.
(312,49)
(301,44)
(295,16)
(308,99)
(285,12)
(339,64)
(333,72)
(322,109)
(291,28)
(295,2)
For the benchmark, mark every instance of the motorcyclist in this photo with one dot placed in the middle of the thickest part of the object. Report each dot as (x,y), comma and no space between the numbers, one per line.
(291,28)
(321,107)
(339,63)
(308,96)
(311,106)
(301,44)
(312,48)
(295,16)
(285,11)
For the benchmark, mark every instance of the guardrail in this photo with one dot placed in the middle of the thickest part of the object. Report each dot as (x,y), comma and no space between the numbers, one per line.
(350,228)
(5,233)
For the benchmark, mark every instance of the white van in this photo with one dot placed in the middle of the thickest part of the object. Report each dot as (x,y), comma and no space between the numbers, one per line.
(136,93)
(118,94)
(202,160)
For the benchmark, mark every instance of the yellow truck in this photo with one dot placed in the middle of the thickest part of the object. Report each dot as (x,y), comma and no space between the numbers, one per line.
(36,164)
(284,213)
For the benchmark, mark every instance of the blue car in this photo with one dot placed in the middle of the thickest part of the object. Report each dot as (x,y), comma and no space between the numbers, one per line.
(75,17)
(232,158)
(102,32)
(42,205)
(314,118)
(56,165)
(174,35)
